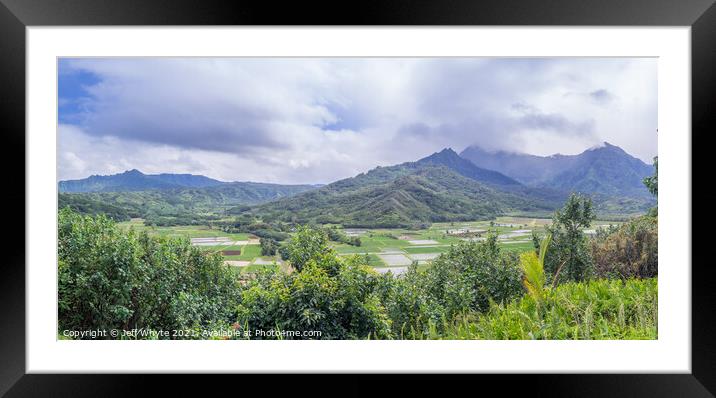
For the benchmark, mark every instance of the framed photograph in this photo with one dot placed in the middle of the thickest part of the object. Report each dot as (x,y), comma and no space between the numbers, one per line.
(462,189)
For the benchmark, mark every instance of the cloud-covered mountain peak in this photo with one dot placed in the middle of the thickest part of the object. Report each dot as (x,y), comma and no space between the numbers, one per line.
(605,169)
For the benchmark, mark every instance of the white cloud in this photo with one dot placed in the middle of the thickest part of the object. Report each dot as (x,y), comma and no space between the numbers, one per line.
(316,120)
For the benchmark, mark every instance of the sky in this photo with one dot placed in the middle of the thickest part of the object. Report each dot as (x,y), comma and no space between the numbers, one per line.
(317,120)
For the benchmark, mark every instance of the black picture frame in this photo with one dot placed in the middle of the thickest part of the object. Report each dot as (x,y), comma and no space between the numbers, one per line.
(700,15)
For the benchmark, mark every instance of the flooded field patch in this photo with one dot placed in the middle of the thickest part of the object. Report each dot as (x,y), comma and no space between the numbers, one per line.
(423,242)
(474,239)
(235,263)
(424,256)
(395,259)
(462,231)
(354,232)
(261,261)
(516,234)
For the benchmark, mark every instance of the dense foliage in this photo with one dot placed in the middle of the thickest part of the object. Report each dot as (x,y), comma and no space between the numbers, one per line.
(111,279)
(598,309)
(627,251)
(336,297)
(480,271)
(269,246)
(85,205)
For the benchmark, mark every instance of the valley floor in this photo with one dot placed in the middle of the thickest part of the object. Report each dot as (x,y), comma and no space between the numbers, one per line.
(388,250)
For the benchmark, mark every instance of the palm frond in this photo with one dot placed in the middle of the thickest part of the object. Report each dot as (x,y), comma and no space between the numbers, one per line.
(533,269)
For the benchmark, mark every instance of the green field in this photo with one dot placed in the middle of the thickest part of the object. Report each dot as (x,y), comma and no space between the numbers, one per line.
(250,252)
(187,231)
(415,245)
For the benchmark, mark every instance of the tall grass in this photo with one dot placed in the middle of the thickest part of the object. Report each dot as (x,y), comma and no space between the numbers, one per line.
(595,310)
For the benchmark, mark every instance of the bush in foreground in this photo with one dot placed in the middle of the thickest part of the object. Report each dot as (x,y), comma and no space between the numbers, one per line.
(628,251)
(109,279)
(598,309)
(465,279)
(338,297)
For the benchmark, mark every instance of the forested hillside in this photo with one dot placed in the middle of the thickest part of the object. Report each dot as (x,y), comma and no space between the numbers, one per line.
(135,180)
(402,195)
(178,205)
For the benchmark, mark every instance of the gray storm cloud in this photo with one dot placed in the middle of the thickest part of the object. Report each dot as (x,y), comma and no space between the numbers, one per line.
(293,120)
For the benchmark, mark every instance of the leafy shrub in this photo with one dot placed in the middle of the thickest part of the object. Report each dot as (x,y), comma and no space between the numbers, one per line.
(84,205)
(598,309)
(110,279)
(629,251)
(268,246)
(336,235)
(467,278)
(409,308)
(340,298)
(482,269)
(283,251)
(270,234)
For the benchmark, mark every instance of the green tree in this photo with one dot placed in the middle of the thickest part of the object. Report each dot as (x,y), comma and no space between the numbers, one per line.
(568,251)
(268,246)
(652,182)
(305,245)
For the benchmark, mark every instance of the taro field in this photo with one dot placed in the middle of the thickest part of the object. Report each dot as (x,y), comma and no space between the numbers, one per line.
(387,250)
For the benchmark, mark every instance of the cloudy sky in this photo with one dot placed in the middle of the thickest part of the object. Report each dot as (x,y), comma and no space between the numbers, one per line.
(316,120)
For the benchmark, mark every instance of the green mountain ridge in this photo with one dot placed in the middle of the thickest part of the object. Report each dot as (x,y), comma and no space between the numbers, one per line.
(184,202)
(407,194)
(135,180)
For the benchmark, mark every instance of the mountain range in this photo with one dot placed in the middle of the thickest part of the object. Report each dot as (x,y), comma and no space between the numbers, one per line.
(189,197)
(444,186)
(606,169)
(135,180)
